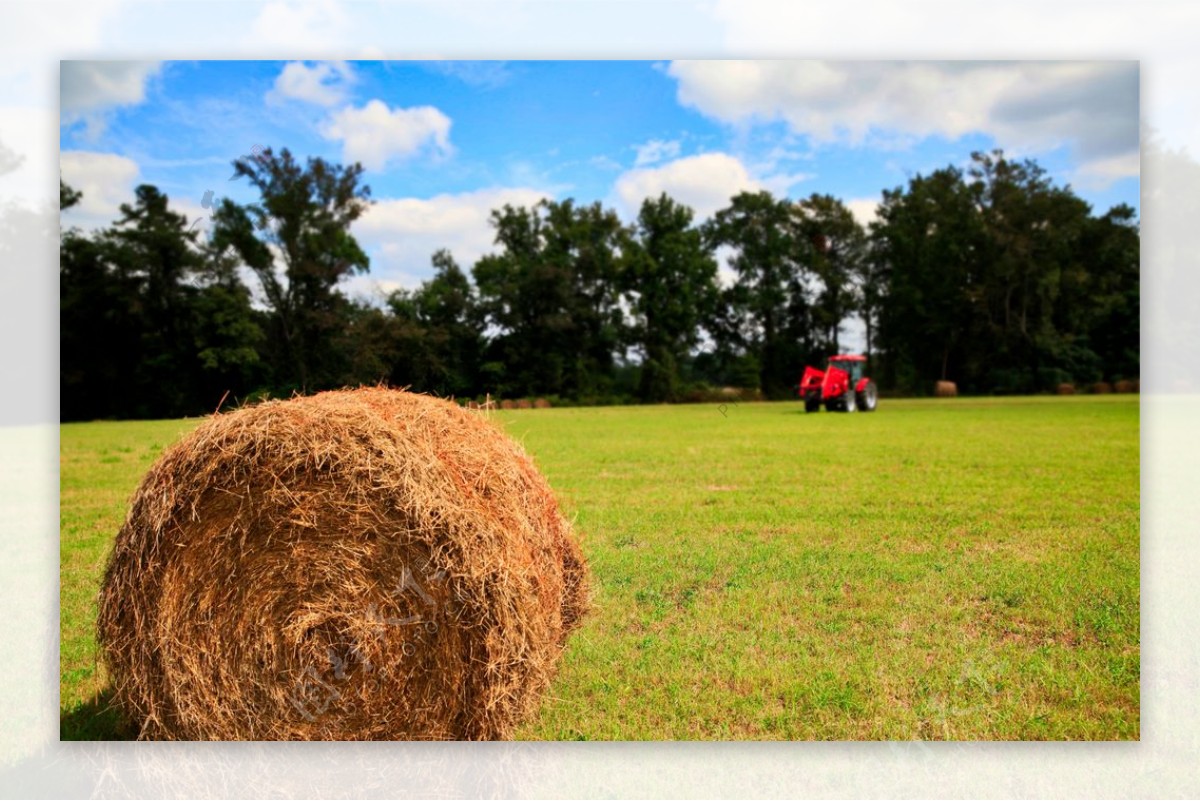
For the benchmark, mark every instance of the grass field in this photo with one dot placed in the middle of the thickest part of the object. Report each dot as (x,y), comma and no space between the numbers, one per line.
(956,569)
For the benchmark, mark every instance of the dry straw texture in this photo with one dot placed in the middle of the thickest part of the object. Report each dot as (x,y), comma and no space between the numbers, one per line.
(365,564)
(945,389)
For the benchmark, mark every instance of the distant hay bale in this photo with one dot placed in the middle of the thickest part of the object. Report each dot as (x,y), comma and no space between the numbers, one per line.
(1101,388)
(541,403)
(945,389)
(524,403)
(507,404)
(362,564)
(1065,389)
(1127,386)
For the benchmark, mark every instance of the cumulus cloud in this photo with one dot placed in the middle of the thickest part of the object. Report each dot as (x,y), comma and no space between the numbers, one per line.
(376,134)
(324,84)
(864,209)
(106,180)
(705,182)
(89,90)
(1099,173)
(402,234)
(654,151)
(1027,107)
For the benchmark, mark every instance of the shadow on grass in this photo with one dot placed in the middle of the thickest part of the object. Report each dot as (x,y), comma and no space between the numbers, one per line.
(96,719)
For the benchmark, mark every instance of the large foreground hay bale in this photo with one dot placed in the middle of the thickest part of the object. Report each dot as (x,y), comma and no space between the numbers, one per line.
(366,564)
(945,389)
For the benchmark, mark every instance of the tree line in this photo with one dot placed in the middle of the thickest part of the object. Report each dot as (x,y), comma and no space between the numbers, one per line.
(993,277)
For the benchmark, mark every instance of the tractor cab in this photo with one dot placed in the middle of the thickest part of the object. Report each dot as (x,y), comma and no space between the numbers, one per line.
(853,365)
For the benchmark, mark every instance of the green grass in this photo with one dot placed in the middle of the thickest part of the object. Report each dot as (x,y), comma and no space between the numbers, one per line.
(962,569)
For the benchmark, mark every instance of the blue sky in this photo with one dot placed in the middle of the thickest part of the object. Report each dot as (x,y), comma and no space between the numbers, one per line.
(443,142)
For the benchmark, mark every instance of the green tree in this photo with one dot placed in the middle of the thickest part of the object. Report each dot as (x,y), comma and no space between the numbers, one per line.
(769,258)
(670,280)
(448,307)
(1109,289)
(67,197)
(837,254)
(1003,281)
(297,241)
(1033,242)
(227,332)
(100,330)
(152,324)
(552,293)
(927,241)
(154,247)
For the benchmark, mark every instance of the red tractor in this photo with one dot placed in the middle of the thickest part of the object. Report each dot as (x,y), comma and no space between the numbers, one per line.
(841,386)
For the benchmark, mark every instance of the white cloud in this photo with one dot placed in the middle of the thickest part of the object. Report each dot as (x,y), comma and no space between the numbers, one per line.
(376,134)
(654,151)
(603,162)
(88,90)
(106,180)
(402,234)
(324,84)
(1101,172)
(864,209)
(1026,106)
(705,182)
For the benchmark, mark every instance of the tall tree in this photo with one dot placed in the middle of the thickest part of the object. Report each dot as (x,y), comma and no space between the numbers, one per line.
(1003,281)
(1110,293)
(1033,233)
(447,308)
(837,252)
(769,257)
(153,325)
(100,324)
(155,247)
(585,242)
(927,239)
(552,293)
(670,280)
(524,298)
(297,241)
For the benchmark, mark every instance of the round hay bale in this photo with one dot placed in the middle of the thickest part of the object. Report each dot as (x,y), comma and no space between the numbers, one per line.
(507,404)
(1101,388)
(1126,386)
(541,403)
(524,403)
(1065,389)
(361,564)
(945,389)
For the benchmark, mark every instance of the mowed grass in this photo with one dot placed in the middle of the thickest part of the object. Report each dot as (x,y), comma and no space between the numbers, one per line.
(955,569)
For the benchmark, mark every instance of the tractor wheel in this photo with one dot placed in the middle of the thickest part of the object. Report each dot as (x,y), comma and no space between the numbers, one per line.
(868,398)
(850,401)
(812,405)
